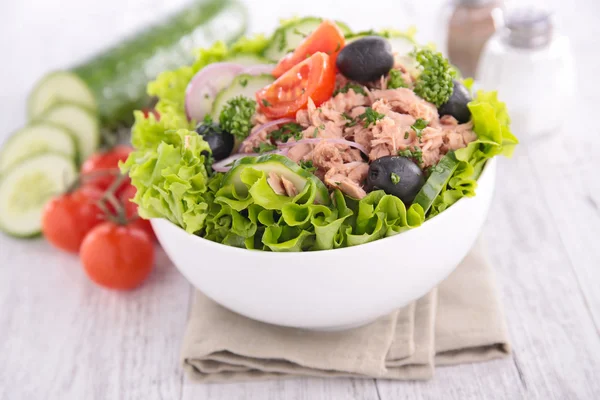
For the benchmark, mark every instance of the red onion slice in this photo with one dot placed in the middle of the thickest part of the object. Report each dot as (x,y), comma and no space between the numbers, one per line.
(268,125)
(259,69)
(328,140)
(204,86)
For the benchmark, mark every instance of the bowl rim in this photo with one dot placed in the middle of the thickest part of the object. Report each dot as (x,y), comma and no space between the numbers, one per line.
(484,173)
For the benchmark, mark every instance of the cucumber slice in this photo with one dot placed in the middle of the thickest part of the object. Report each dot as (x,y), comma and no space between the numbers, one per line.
(81,122)
(282,166)
(27,186)
(438,179)
(42,137)
(248,59)
(242,85)
(58,87)
(114,81)
(287,37)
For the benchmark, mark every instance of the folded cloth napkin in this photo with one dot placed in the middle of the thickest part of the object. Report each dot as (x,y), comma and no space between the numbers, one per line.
(460,321)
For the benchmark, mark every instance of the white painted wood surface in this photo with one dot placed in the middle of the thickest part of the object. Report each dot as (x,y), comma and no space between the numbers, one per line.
(61,337)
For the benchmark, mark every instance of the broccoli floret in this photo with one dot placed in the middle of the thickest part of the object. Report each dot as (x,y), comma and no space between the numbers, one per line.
(434,84)
(395,80)
(236,115)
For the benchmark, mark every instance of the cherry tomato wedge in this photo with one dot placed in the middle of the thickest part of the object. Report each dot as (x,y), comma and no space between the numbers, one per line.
(313,77)
(327,38)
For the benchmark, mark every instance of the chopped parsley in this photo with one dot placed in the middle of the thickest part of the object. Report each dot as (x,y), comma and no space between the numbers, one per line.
(322,127)
(418,126)
(357,89)
(370,117)
(207,96)
(307,165)
(266,103)
(394,178)
(337,48)
(406,135)
(316,132)
(264,147)
(416,154)
(395,80)
(244,82)
(338,183)
(286,132)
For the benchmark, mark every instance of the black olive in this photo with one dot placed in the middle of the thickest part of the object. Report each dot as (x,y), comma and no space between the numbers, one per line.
(220,142)
(396,175)
(456,105)
(366,59)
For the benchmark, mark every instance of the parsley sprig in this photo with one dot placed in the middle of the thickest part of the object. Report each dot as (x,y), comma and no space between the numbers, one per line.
(395,80)
(357,89)
(286,132)
(370,117)
(416,154)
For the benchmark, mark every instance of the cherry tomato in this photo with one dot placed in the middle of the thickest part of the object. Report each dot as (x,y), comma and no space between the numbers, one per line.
(68,218)
(327,38)
(313,77)
(131,211)
(99,166)
(117,256)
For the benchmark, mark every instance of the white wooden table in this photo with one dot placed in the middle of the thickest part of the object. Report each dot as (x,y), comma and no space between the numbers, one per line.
(62,337)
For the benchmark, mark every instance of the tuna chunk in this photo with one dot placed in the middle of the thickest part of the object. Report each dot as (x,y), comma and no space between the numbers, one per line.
(407,102)
(281,185)
(348,178)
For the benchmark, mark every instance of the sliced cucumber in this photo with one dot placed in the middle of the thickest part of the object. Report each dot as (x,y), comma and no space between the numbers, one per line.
(288,36)
(81,122)
(438,179)
(248,59)
(114,80)
(41,137)
(27,186)
(242,85)
(280,165)
(59,87)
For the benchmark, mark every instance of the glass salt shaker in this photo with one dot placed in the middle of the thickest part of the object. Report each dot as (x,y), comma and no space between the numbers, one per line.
(468,24)
(531,65)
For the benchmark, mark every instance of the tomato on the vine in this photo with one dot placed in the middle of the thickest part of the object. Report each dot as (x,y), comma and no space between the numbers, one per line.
(117,256)
(312,78)
(68,218)
(101,169)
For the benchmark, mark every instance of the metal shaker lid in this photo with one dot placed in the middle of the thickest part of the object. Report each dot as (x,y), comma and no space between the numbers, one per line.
(528,28)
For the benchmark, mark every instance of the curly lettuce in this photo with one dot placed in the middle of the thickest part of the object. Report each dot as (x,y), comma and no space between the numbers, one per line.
(491,123)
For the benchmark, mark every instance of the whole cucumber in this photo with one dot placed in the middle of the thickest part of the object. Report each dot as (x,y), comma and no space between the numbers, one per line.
(113,83)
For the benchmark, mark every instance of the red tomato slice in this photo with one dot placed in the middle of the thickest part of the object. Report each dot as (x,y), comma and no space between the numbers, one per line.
(313,77)
(327,38)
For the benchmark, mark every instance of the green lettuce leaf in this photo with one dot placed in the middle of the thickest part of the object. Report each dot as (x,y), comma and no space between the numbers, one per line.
(491,123)
(171,179)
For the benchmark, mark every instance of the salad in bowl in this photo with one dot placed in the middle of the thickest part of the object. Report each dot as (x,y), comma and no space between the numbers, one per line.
(315,138)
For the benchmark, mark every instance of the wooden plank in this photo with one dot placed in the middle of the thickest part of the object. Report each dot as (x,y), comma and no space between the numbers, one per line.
(297,389)
(62,337)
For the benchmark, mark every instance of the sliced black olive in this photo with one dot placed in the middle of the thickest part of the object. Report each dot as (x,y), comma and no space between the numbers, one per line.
(220,142)
(366,59)
(456,105)
(396,175)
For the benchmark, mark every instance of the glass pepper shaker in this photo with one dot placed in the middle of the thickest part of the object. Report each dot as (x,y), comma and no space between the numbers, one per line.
(468,26)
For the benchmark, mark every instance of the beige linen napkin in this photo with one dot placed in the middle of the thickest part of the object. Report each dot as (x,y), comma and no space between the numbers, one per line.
(460,321)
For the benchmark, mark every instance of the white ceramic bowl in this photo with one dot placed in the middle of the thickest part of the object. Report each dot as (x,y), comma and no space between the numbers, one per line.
(332,289)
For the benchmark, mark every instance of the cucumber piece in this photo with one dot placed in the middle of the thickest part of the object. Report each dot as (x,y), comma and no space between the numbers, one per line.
(27,186)
(248,59)
(288,36)
(114,82)
(282,166)
(242,85)
(56,87)
(438,179)
(81,122)
(42,137)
